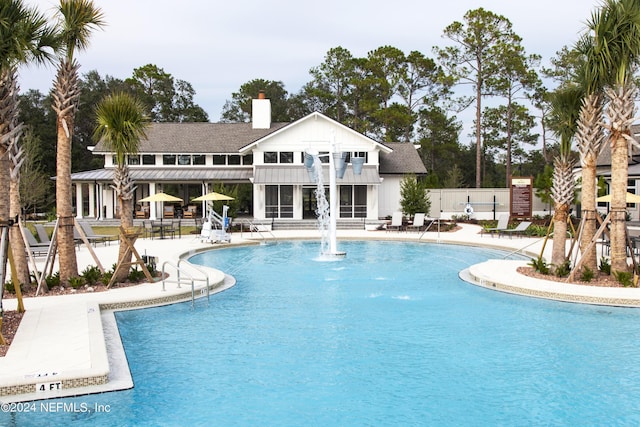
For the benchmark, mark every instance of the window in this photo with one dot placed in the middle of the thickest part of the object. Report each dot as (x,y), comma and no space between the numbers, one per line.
(279,201)
(198,159)
(353,201)
(184,159)
(133,160)
(168,159)
(233,159)
(247,160)
(219,159)
(286,157)
(270,157)
(148,159)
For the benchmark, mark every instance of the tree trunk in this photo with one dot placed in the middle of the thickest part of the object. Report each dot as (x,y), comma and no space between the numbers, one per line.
(619,175)
(478,137)
(589,212)
(66,244)
(126,221)
(558,252)
(15,237)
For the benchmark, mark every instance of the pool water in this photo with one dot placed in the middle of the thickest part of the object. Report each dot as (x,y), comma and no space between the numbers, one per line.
(388,336)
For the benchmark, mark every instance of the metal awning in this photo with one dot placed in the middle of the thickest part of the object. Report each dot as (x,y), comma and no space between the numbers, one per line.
(170,175)
(298,175)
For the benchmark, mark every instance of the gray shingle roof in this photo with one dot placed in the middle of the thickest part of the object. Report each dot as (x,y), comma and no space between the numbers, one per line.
(199,137)
(404,159)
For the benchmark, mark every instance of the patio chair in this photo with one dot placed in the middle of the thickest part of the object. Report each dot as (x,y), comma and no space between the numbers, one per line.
(190,212)
(42,234)
(168,211)
(418,222)
(150,230)
(503,223)
(142,213)
(37,248)
(519,230)
(396,222)
(92,236)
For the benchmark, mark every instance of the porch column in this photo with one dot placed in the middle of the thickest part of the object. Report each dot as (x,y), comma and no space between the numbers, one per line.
(152,205)
(78,200)
(92,200)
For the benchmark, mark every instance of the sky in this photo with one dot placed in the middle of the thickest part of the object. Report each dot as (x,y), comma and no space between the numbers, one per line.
(219,45)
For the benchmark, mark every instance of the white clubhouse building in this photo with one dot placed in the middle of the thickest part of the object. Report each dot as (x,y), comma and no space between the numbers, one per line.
(186,159)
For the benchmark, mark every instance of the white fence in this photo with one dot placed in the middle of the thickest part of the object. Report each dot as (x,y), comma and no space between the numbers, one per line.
(486,203)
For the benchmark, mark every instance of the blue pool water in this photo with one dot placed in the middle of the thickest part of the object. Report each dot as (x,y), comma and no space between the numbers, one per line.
(388,336)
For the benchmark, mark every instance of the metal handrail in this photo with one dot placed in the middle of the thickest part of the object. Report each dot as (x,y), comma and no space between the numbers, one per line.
(254,228)
(190,279)
(204,274)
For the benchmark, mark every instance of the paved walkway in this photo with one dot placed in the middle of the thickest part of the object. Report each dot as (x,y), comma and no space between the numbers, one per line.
(69,345)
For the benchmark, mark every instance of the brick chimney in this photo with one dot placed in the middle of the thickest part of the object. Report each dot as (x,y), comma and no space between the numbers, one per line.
(261,112)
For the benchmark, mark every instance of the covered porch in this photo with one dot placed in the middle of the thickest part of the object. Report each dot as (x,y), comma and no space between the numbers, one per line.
(96,199)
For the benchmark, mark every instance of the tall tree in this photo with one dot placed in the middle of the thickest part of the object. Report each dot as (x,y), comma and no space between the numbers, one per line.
(565,108)
(329,90)
(25,38)
(507,128)
(589,142)
(78,18)
(166,99)
(238,109)
(513,81)
(479,44)
(439,145)
(121,124)
(616,37)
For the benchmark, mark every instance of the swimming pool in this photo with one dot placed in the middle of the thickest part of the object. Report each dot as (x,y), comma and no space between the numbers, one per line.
(387,336)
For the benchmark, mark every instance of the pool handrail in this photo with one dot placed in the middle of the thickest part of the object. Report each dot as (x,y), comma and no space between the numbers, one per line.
(178,280)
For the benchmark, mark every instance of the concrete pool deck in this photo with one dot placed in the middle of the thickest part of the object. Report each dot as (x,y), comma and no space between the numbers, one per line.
(69,345)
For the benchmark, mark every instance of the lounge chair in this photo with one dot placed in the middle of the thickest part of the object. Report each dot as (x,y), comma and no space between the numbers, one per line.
(418,222)
(396,222)
(519,230)
(92,236)
(37,248)
(503,223)
(42,234)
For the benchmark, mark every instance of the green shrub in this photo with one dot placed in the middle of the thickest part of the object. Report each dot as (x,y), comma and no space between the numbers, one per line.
(605,266)
(625,278)
(539,265)
(91,274)
(10,287)
(106,277)
(587,274)
(563,269)
(136,275)
(53,280)
(76,282)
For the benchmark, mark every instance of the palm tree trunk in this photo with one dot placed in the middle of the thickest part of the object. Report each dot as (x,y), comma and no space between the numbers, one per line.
(15,237)
(621,110)
(65,104)
(559,249)
(589,212)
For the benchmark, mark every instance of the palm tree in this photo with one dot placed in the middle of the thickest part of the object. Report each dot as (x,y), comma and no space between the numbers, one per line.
(565,108)
(616,37)
(121,123)
(78,19)
(25,38)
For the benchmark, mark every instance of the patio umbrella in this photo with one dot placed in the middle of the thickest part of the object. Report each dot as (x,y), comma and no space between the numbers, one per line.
(161,197)
(631,198)
(213,196)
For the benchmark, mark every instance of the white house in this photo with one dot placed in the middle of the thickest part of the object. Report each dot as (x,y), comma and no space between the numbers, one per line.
(186,159)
